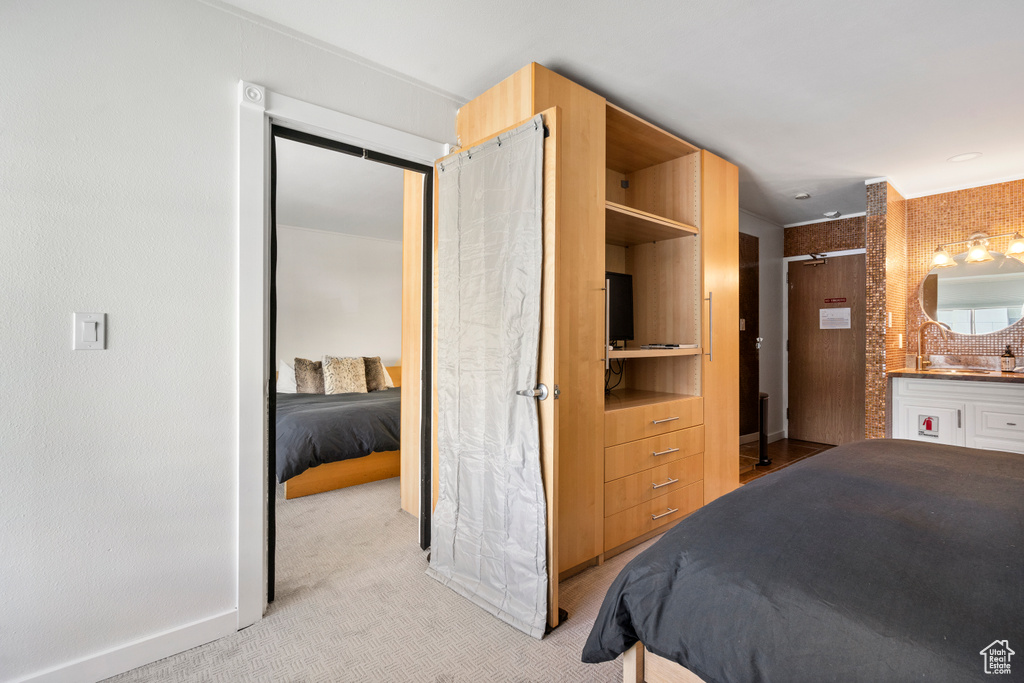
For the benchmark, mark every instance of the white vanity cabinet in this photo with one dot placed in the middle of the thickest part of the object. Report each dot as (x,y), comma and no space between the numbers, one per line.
(973,413)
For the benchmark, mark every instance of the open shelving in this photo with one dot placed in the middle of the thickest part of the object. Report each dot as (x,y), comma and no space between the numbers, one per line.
(652,232)
(626,226)
(652,353)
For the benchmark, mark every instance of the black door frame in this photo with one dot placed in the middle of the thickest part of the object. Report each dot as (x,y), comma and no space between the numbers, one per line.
(426,395)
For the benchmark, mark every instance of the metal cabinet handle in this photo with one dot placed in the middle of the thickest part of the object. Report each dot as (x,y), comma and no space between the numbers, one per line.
(671,450)
(540,392)
(607,323)
(1011,424)
(667,419)
(958,425)
(670,481)
(665,514)
(711,328)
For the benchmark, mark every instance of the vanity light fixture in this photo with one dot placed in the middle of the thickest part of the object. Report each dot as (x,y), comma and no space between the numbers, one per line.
(941,258)
(1016,247)
(978,251)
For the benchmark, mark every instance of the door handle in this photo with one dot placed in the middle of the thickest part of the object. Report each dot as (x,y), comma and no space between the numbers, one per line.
(711,329)
(540,392)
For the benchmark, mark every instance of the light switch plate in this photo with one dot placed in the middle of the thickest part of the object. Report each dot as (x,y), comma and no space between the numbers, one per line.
(82,323)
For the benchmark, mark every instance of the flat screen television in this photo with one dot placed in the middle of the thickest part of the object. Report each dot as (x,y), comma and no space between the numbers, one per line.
(620,306)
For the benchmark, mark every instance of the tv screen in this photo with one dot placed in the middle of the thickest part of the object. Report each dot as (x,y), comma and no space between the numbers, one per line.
(620,306)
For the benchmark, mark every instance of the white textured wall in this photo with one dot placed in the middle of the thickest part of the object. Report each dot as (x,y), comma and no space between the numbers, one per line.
(339,295)
(772,290)
(118,194)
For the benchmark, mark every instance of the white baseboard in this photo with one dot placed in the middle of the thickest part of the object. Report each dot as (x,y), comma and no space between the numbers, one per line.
(135,654)
(776,436)
(748,438)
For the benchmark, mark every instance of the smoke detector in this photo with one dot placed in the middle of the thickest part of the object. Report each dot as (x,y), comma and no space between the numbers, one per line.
(802,195)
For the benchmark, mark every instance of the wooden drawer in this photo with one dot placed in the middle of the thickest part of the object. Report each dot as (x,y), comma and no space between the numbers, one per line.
(630,424)
(638,488)
(640,519)
(637,456)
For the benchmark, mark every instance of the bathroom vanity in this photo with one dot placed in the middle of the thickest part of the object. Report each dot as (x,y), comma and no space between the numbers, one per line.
(960,407)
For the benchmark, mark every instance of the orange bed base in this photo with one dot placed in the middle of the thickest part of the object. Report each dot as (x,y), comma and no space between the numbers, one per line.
(338,475)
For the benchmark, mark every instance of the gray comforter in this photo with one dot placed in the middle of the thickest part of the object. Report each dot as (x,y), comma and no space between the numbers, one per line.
(313,429)
(876,561)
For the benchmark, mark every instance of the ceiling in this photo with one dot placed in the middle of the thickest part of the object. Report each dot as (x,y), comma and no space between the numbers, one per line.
(803,95)
(326,190)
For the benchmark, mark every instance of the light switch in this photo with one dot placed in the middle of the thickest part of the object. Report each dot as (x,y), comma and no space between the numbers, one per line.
(90,331)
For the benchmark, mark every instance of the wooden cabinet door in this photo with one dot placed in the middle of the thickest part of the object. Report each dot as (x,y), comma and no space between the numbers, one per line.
(721,335)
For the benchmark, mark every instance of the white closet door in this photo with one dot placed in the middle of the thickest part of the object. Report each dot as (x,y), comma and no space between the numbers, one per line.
(489,535)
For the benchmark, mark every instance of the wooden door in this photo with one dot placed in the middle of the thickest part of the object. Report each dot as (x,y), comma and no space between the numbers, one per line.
(547,362)
(750,366)
(826,357)
(720,245)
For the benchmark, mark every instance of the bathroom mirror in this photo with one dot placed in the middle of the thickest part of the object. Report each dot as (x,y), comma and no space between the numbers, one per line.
(975,298)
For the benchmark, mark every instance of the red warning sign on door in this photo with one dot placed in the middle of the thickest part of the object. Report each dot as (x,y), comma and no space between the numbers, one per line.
(839,300)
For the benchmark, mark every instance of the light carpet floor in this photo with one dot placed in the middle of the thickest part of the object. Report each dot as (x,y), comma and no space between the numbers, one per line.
(354,604)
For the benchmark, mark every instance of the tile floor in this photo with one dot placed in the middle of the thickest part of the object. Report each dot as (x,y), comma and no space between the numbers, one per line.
(782,453)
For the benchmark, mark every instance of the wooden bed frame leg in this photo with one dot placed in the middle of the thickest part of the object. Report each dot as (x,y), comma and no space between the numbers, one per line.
(633,664)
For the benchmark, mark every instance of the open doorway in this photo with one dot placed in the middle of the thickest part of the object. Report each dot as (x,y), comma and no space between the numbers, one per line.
(340,283)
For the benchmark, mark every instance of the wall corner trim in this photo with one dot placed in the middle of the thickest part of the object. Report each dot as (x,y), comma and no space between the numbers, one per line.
(872,181)
(137,653)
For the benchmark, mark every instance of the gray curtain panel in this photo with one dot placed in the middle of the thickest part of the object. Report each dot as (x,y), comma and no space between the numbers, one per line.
(489,527)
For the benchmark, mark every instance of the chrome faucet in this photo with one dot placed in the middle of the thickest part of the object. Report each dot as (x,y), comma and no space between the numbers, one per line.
(922,357)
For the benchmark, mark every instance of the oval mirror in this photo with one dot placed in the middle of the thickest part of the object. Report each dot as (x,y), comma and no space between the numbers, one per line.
(975,298)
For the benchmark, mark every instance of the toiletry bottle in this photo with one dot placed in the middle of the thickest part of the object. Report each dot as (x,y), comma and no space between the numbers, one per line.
(1007,360)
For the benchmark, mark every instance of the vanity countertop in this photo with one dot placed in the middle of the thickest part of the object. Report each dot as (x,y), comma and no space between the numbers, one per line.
(958,374)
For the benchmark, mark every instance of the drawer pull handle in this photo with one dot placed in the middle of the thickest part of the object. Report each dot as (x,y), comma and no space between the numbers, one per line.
(657,453)
(665,514)
(667,419)
(670,481)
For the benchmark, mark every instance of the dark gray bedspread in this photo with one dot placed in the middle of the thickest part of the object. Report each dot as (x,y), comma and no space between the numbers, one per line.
(877,561)
(313,429)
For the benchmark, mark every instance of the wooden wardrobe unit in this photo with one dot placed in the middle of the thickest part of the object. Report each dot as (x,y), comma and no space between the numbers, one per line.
(632,198)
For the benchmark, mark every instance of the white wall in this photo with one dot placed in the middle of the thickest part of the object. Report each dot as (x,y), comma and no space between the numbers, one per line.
(338,294)
(117,194)
(772,290)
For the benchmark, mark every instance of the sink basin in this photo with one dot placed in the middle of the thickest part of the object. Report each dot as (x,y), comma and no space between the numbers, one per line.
(959,371)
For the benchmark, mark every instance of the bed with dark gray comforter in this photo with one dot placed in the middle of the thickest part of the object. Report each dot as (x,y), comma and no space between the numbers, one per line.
(313,429)
(876,561)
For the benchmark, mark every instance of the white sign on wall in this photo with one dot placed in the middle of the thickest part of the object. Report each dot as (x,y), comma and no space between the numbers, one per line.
(833,318)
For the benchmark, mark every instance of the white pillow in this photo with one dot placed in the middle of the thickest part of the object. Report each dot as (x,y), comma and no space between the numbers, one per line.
(285,378)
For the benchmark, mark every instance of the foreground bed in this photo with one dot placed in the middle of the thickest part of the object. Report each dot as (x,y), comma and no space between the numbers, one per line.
(877,561)
(327,442)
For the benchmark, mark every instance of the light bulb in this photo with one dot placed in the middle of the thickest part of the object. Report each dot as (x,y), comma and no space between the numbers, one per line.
(978,253)
(1016,247)
(941,258)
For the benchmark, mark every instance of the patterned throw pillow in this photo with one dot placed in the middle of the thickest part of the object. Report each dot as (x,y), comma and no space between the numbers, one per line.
(344,375)
(309,376)
(376,376)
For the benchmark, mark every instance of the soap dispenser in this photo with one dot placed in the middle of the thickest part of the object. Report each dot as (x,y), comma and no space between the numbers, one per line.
(1007,361)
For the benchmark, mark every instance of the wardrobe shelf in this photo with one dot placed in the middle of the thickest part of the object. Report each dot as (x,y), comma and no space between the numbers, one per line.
(625,226)
(633,144)
(619,399)
(652,353)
